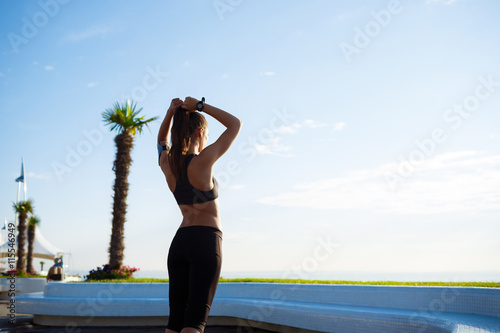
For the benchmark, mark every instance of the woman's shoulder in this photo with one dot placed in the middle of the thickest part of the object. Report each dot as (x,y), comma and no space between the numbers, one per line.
(204,158)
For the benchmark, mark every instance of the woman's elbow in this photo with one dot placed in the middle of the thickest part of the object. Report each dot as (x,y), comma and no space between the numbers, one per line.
(238,124)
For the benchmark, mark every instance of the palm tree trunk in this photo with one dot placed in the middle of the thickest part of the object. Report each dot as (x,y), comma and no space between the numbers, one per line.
(124,144)
(21,240)
(31,240)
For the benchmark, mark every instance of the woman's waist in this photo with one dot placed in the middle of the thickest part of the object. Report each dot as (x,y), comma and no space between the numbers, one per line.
(213,223)
(198,230)
(201,214)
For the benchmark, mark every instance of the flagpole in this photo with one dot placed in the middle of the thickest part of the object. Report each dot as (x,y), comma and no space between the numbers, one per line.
(5,233)
(20,180)
(24,181)
(17,202)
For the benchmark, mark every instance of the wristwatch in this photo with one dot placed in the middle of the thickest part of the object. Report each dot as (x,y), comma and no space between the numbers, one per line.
(201,104)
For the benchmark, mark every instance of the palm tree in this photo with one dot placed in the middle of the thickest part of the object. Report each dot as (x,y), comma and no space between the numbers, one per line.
(23,209)
(126,121)
(32,223)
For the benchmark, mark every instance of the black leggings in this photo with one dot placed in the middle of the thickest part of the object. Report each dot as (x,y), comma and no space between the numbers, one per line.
(194,264)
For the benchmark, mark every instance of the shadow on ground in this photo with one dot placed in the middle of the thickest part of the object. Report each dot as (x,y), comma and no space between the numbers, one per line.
(24,323)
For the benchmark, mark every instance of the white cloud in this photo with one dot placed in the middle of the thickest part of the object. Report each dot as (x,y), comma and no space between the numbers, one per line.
(338,126)
(2,74)
(97,30)
(267,73)
(187,63)
(235,187)
(290,129)
(37,176)
(273,147)
(225,76)
(454,182)
(314,124)
(263,150)
(91,84)
(494,136)
(49,68)
(309,123)
(35,62)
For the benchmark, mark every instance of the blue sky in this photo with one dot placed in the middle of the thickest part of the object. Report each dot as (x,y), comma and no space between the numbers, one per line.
(370,140)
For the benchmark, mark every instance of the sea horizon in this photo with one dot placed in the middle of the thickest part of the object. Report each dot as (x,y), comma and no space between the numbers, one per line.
(455,276)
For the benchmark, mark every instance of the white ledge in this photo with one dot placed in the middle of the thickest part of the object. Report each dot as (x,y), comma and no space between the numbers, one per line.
(17,286)
(278,307)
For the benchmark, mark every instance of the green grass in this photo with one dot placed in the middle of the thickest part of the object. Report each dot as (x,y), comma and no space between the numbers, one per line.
(132,280)
(371,283)
(24,276)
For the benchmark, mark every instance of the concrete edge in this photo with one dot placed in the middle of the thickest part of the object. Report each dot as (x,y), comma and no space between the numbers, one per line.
(74,322)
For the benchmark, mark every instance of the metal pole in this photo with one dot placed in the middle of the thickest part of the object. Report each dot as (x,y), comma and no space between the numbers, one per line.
(24,182)
(17,202)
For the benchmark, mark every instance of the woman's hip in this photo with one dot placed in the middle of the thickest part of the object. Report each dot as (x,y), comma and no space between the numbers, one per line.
(197,243)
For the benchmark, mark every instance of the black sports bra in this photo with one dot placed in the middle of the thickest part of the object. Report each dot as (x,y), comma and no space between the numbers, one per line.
(187,194)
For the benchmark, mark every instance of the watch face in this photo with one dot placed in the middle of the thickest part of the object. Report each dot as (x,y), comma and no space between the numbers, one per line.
(199,106)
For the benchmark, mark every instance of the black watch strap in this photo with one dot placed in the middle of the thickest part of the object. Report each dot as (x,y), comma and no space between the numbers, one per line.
(201,104)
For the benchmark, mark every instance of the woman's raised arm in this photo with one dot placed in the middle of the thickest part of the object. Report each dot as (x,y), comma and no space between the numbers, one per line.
(214,151)
(164,130)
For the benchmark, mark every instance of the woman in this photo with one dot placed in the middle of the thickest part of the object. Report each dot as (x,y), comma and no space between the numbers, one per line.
(195,257)
(55,272)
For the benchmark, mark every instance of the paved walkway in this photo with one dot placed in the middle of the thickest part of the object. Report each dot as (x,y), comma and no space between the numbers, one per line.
(24,323)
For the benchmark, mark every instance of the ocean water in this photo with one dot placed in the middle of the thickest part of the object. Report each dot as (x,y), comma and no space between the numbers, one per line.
(493,276)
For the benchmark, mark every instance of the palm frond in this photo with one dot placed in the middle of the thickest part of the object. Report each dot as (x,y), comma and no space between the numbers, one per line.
(23,207)
(34,220)
(125,117)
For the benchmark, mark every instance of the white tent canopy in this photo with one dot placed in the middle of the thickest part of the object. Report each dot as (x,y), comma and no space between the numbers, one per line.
(42,248)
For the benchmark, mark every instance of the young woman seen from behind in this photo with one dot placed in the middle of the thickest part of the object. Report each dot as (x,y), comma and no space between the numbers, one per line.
(195,257)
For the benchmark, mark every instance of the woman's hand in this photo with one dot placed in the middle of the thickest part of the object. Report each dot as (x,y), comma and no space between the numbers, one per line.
(190,104)
(175,104)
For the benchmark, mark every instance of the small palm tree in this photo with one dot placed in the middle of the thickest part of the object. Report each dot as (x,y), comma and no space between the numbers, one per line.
(22,209)
(126,121)
(32,223)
